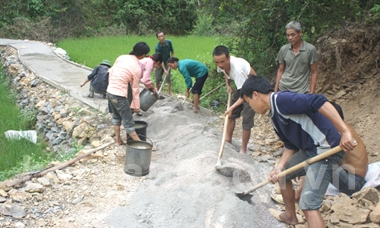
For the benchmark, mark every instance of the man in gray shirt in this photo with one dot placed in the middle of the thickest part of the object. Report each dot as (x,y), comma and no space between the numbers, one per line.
(297,61)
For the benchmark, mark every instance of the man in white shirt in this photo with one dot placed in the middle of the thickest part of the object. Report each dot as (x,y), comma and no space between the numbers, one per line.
(239,70)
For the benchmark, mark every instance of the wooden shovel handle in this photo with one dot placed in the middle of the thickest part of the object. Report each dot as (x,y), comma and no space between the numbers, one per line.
(297,167)
(310,161)
(225,128)
(163,82)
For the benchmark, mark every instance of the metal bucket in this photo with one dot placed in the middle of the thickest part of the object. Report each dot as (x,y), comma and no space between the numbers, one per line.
(147,99)
(140,128)
(137,158)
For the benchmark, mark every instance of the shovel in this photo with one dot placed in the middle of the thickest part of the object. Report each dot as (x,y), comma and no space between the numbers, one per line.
(242,195)
(186,97)
(163,82)
(219,163)
(211,91)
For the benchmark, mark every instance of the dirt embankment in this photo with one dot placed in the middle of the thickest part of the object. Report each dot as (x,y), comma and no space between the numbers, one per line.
(349,73)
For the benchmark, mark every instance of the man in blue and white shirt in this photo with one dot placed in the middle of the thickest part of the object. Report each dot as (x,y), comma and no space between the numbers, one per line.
(308,125)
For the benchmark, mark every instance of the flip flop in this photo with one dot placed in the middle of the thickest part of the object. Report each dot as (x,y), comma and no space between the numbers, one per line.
(277,198)
(276,215)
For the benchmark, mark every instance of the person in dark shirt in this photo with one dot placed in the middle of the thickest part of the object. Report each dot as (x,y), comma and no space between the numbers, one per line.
(308,125)
(165,47)
(99,79)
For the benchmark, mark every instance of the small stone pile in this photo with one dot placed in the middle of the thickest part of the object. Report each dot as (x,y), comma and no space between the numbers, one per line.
(361,210)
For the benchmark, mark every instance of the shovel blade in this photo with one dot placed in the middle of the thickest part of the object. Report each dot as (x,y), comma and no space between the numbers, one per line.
(244,196)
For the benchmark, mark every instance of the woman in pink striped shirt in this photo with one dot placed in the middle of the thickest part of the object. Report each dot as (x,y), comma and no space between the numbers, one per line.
(125,72)
(147,66)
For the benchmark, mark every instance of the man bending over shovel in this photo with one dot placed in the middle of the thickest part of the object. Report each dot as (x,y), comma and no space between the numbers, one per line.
(350,177)
(308,125)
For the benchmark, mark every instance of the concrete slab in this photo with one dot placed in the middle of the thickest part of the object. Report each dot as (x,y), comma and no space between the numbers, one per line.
(56,71)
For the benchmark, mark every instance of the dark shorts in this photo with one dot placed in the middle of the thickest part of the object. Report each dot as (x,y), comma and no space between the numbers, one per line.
(318,176)
(198,85)
(347,182)
(92,89)
(121,111)
(243,110)
(159,73)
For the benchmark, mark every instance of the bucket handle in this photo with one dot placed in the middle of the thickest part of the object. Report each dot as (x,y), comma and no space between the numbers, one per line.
(146,137)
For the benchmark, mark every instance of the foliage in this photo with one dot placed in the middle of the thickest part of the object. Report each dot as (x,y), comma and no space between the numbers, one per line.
(375,17)
(16,155)
(204,24)
(262,30)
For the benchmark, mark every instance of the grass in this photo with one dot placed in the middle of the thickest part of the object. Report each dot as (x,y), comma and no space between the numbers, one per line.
(17,156)
(91,51)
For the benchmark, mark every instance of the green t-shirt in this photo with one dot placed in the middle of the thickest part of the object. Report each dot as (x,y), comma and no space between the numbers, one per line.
(296,76)
(191,68)
(165,50)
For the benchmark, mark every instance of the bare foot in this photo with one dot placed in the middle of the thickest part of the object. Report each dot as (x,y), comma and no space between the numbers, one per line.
(119,142)
(287,219)
(195,110)
(154,148)
(243,152)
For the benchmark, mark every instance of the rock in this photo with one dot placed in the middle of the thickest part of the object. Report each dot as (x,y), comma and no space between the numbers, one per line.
(63,176)
(77,200)
(367,225)
(53,177)
(2,199)
(96,143)
(3,193)
(18,196)
(84,130)
(367,196)
(34,187)
(334,219)
(35,82)
(68,125)
(255,154)
(375,214)
(349,213)
(340,94)
(19,225)
(13,210)
(270,141)
(44,181)
(57,116)
(279,152)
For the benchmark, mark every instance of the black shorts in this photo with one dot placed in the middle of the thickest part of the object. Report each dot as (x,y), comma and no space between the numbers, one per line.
(198,85)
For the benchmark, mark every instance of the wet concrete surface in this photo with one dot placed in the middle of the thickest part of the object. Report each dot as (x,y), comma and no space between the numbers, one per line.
(56,71)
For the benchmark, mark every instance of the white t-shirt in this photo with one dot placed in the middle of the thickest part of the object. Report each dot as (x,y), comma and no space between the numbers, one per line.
(240,69)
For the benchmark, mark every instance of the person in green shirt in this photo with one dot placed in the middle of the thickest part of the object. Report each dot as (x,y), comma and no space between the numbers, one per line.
(297,71)
(165,47)
(191,68)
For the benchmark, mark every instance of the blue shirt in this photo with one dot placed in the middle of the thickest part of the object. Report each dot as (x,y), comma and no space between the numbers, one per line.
(191,68)
(298,123)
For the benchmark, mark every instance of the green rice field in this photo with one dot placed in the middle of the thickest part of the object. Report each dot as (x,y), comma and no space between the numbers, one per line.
(91,51)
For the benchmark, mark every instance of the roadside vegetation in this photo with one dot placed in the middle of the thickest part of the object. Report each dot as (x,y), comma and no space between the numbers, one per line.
(17,156)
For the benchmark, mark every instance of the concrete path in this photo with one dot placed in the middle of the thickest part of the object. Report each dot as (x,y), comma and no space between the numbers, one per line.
(56,71)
